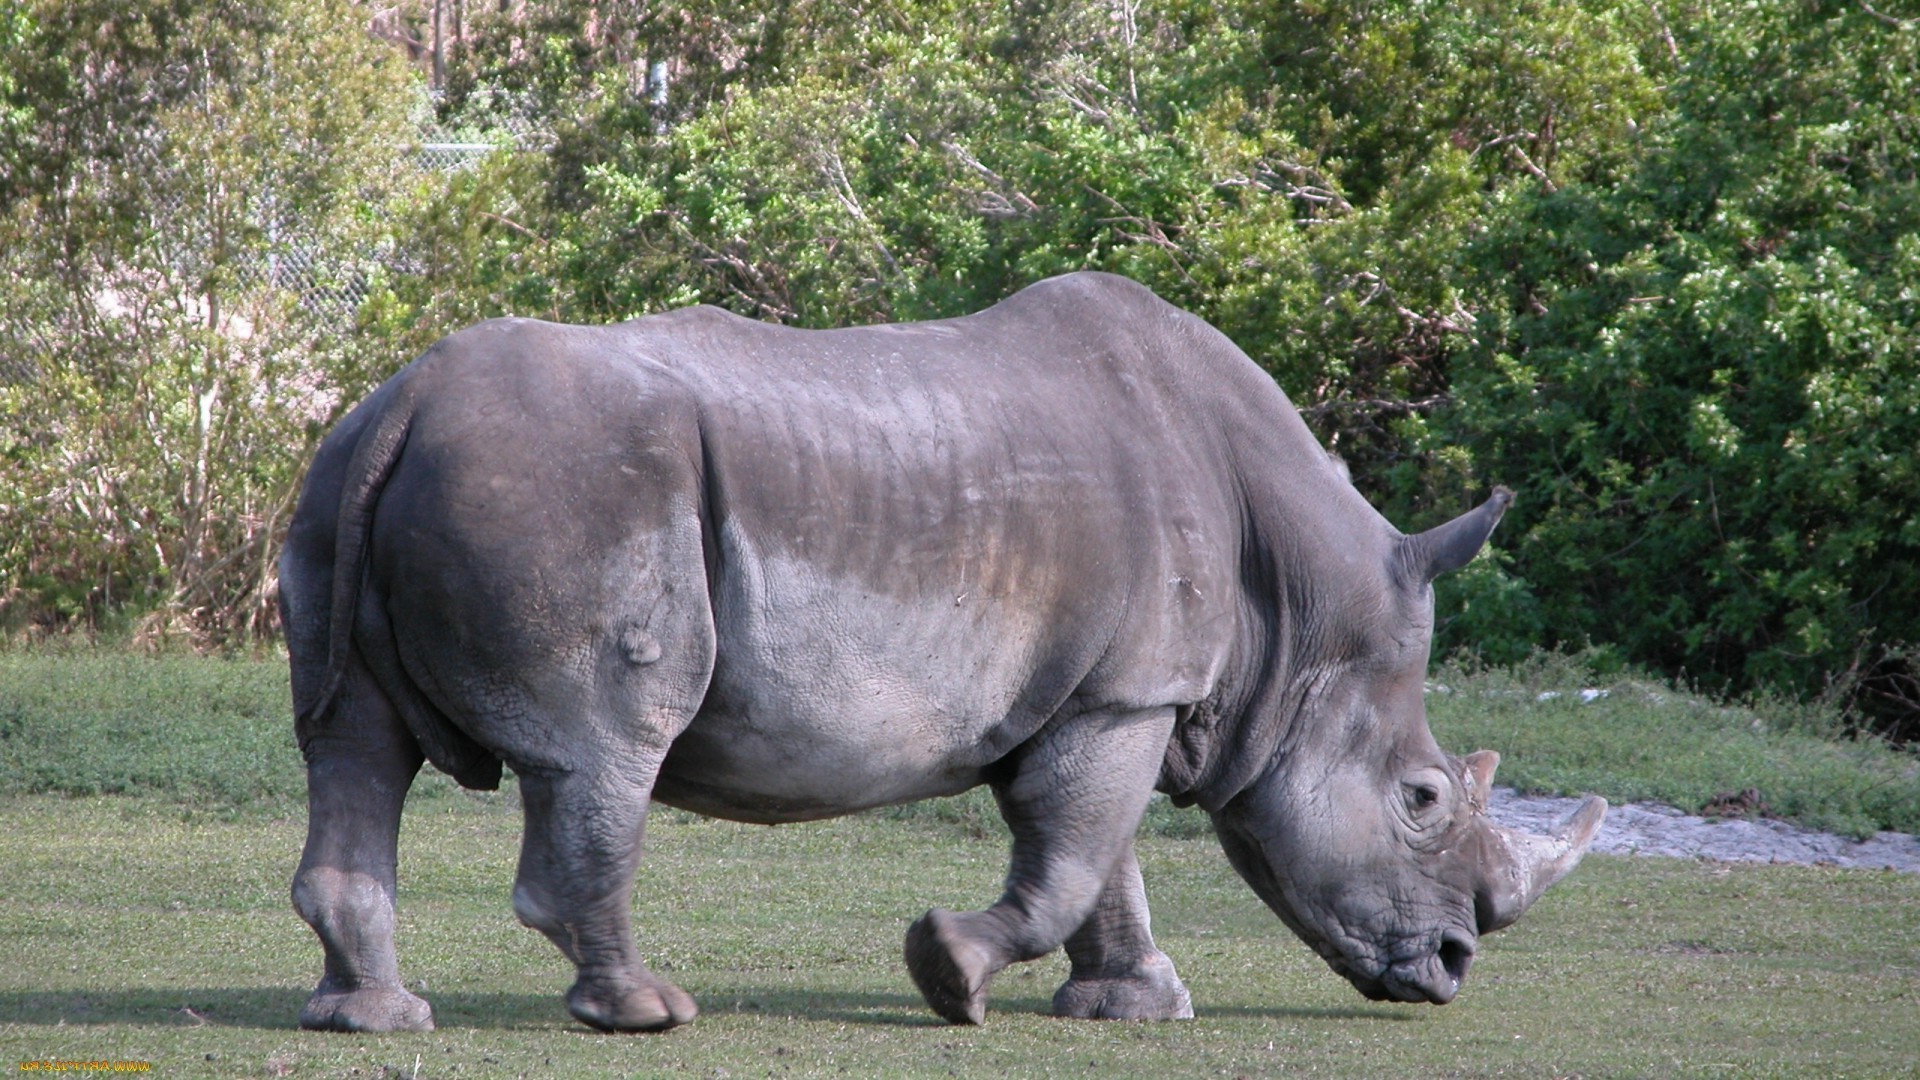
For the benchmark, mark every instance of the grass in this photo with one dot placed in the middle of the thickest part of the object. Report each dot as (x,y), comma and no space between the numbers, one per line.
(214,735)
(153,924)
(1563,729)
(131,933)
(208,731)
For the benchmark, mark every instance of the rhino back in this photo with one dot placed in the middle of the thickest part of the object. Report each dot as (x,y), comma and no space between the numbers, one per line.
(875,559)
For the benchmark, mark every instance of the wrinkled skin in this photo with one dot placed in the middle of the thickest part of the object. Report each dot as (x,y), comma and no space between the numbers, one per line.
(1077,548)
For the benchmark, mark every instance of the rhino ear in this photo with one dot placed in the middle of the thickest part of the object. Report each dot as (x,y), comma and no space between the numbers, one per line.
(1453,545)
(1478,772)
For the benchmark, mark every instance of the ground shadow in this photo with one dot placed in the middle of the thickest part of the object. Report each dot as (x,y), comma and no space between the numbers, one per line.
(271,1008)
(248,1007)
(846,1007)
(264,1008)
(1281,1012)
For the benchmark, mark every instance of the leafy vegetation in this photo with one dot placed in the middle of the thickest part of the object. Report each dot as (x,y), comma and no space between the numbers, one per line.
(1653,265)
(1701,377)
(185,187)
(134,935)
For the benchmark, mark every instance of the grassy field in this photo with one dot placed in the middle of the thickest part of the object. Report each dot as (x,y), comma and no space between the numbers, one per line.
(215,736)
(153,925)
(1562,729)
(133,933)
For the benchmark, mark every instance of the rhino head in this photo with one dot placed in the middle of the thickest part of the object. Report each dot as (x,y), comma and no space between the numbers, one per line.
(1369,841)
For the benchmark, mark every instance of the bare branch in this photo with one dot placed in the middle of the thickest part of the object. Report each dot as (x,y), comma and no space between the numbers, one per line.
(1092,111)
(766,297)
(1294,181)
(1151,231)
(1390,406)
(1526,163)
(835,170)
(1898,24)
(1510,137)
(1666,34)
(515,226)
(1008,201)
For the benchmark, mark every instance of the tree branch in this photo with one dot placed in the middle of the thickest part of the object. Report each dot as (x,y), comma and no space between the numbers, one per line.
(1898,24)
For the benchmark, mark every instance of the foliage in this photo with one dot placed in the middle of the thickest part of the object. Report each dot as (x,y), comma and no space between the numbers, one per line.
(188,184)
(1653,265)
(1702,379)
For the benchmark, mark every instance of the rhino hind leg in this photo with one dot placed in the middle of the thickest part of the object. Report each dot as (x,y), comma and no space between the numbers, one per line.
(577,863)
(1072,802)
(360,764)
(1118,972)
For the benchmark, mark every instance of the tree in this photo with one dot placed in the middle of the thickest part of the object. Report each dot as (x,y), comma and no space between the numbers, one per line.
(1703,377)
(192,188)
(1652,264)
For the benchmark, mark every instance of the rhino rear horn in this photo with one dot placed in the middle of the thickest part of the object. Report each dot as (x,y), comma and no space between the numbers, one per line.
(1453,545)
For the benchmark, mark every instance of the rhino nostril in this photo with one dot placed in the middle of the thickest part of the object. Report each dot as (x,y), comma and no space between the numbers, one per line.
(1456,954)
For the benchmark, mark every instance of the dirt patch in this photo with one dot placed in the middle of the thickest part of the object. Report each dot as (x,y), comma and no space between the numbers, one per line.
(1652,829)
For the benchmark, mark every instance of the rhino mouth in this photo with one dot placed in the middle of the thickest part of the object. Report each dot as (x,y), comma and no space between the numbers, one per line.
(1434,976)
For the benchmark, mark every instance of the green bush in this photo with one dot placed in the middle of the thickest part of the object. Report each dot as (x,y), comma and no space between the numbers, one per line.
(1656,267)
(1704,379)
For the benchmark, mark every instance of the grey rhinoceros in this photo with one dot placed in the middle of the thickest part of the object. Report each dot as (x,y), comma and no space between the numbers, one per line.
(1076,547)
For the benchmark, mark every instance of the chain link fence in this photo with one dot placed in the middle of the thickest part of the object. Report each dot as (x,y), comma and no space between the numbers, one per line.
(331,284)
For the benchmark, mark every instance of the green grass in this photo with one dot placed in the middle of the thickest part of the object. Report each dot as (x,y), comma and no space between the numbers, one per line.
(129,933)
(154,925)
(203,730)
(215,735)
(1645,740)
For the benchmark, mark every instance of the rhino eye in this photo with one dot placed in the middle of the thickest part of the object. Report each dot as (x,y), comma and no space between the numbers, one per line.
(1422,797)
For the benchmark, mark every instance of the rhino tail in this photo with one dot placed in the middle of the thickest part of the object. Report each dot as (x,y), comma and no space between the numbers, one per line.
(367,470)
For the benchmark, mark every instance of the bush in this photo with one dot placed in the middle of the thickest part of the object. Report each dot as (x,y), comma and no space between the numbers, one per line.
(1657,267)
(1704,380)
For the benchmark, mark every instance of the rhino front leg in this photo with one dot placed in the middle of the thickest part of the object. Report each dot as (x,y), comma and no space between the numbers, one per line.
(359,767)
(577,862)
(1072,804)
(1118,972)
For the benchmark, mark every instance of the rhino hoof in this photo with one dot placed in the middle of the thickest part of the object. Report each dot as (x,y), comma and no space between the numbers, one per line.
(1154,992)
(366,1010)
(950,971)
(654,1005)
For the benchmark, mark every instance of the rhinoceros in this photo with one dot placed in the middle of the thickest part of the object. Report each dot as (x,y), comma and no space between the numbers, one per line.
(1076,547)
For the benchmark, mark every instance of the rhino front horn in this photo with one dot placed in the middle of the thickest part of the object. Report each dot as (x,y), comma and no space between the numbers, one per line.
(1524,865)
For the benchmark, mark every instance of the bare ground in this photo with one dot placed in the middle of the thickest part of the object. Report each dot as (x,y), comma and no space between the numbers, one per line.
(1653,829)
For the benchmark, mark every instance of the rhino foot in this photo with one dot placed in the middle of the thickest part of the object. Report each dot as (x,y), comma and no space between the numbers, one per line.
(951,971)
(369,1009)
(1152,992)
(652,1005)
